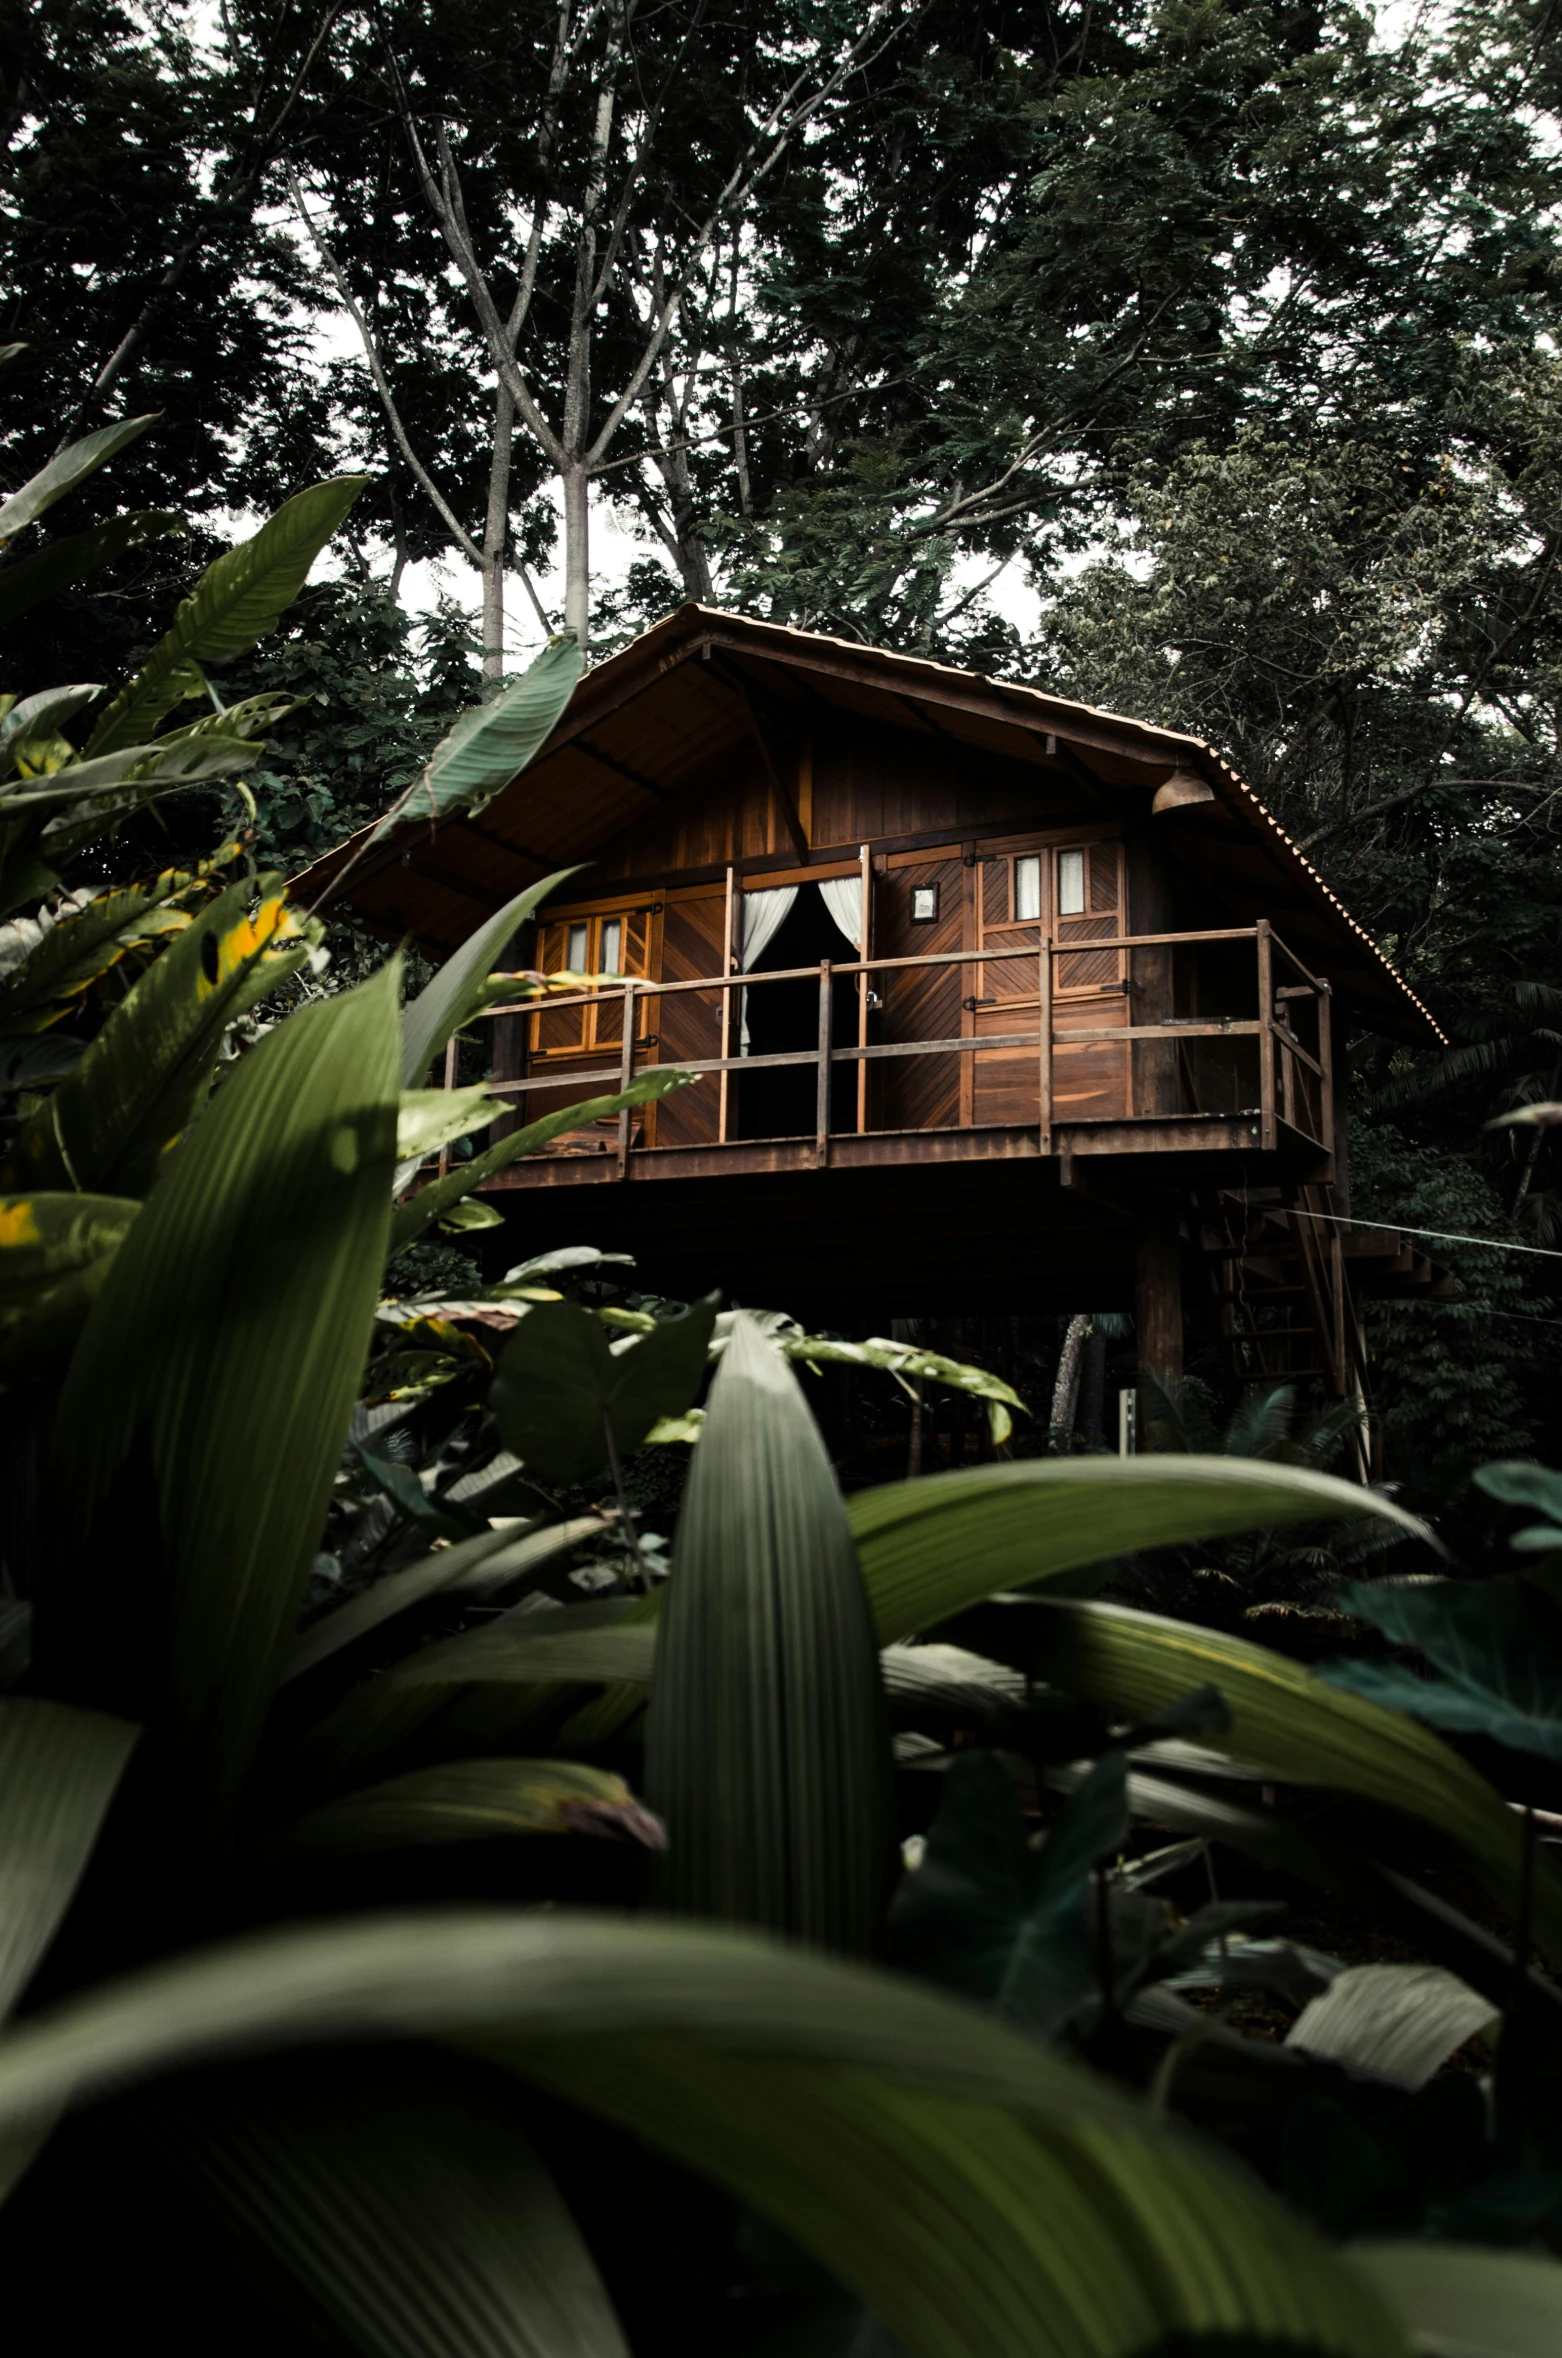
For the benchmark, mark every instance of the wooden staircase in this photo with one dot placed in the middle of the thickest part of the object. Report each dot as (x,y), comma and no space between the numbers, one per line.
(1287,1278)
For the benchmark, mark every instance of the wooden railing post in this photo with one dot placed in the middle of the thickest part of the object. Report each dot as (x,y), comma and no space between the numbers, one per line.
(1044,1042)
(1266,1037)
(728,961)
(822,1102)
(626,1073)
(1326,1059)
(864,952)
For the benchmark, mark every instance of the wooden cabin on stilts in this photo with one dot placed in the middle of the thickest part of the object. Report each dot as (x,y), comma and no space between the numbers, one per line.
(1000,1003)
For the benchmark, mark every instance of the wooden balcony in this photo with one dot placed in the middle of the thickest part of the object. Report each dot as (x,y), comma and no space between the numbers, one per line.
(1229,1097)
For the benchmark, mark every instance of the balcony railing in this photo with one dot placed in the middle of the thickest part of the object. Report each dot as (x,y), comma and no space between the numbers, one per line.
(1260,1062)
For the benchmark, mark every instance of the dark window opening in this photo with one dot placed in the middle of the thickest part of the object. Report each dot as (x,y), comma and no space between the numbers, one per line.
(784,1017)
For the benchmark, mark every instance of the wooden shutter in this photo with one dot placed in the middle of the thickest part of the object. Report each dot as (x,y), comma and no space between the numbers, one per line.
(918,1092)
(557,1031)
(1090,1079)
(688,1023)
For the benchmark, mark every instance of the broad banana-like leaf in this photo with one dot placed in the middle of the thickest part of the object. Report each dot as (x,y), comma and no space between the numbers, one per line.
(392,2205)
(59,1769)
(28,1062)
(444,1004)
(87,941)
(983,2196)
(65,470)
(468,1801)
(148,769)
(471,1567)
(235,602)
(26,581)
(147,1072)
(1289,1722)
(493,742)
(563,1398)
(1458,2302)
(55,1251)
(430,1118)
(932,1547)
(42,715)
(249,718)
(526,1650)
(431,1203)
(767,1747)
(194,1489)
(1400,2021)
(946,1679)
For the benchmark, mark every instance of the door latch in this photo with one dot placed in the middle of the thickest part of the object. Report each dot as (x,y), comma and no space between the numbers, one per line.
(971,1005)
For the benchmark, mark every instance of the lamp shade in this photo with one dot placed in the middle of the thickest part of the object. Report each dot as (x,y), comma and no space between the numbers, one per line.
(1183,787)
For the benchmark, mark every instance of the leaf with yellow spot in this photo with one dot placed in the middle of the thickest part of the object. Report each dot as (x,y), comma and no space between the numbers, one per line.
(146,1075)
(55,1251)
(89,942)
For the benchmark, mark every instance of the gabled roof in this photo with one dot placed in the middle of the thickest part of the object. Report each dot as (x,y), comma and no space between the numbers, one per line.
(658,718)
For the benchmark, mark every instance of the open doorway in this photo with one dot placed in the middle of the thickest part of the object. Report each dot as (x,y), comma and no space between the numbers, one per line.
(784,1017)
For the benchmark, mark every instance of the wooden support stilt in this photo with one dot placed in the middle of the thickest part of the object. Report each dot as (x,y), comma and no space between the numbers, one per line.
(1158,1305)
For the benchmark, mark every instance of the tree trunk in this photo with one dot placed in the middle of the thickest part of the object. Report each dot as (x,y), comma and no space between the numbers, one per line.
(1092,1389)
(577,554)
(1065,1392)
(496,533)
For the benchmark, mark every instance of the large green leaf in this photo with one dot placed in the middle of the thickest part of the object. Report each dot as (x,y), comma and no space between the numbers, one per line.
(430,1118)
(59,1769)
(208,1402)
(130,776)
(65,470)
(984,2197)
(561,1390)
(1289,1722)
(471,1567)
(28,580)
(444,1004)
(492,742)
(431,1203)
(592,1643)
(767,1750)
(87,941)
(391,2204)
(932,1547)
(1497,1642)
(40,716)
(148,1069)
(1463,2303)
(1400,2021)
(54,1255)
(236,601)
(468,1801)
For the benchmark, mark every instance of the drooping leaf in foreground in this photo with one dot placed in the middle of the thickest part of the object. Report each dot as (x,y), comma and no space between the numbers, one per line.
(242,1301)
(431,1203)
(1401,2021)
(236,601)
(932,1547)
(148,1069)
(469,1801)
(1286,1720)
(491,743)
(766,1748)
(65,470)
(984,2197)
(1497,1642)
(26,581)
(392,2203)
(1463,2303)
(58,1772)
(563,1398)
(444,1004)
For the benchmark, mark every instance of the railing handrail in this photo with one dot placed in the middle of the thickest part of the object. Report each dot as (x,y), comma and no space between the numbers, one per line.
(646,985)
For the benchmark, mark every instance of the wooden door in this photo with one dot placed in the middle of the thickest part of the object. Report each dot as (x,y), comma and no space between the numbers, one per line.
(1090,1079)
(688,1023)
(585,1038)
(918,1092)
(1074,892)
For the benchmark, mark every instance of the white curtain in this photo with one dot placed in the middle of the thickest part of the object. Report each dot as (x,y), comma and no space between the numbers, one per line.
(843,899)
(764,914)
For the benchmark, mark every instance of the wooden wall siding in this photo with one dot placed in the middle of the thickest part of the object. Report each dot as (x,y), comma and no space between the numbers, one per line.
(688,1023)
(871,783)
(918,1092)
(736,816)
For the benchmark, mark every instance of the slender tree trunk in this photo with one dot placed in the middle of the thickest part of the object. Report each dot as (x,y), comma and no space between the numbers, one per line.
(496,533)
(1065,1392)
(1092,1389)
(576,484)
